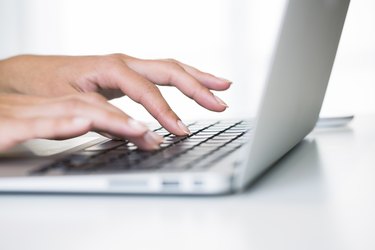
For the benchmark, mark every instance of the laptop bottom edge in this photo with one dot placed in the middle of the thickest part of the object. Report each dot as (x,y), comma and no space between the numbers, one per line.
(203,183)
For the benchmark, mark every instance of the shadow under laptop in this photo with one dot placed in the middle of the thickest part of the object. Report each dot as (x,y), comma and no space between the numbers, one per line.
(295,176)
(298,175)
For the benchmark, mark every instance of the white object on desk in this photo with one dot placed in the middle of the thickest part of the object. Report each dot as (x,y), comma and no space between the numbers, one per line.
(334,122)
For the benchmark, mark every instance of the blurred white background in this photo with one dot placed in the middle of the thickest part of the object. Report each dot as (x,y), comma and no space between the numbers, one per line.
(229,38)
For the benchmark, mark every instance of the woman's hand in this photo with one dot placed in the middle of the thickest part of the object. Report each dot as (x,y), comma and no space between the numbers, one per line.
(112,76)
(24,117)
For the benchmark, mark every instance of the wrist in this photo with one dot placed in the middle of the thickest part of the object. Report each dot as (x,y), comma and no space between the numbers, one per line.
(3,80)
(17,74)
(8,75)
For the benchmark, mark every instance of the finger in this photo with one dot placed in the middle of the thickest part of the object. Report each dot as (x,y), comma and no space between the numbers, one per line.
(146,93)
(167,72)
(208,80)
(102,115)
(57,128)
(20,130)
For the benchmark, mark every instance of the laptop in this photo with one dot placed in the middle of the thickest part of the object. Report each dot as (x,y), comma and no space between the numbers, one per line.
(219,157)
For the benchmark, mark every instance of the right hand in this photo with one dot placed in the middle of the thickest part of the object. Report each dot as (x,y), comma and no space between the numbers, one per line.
(112,76)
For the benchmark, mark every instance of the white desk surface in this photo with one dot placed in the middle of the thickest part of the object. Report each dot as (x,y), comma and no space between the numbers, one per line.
(321,196)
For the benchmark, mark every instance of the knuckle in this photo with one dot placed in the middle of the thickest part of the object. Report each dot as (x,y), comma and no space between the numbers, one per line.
(196,92)
(173,65)
(174,70)
(148,93)
(107,63)
(116,56)
(193,93)
(171,60)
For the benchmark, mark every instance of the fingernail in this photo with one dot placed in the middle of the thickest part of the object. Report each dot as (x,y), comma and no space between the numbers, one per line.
(80,121)
(225,80)
(137,126)
(153,139)
(183,127)
(221,102)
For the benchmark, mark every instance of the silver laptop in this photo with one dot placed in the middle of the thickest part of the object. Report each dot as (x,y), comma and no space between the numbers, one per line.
(220,156)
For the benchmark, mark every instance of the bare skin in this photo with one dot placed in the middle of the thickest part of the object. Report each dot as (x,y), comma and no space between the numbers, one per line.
(58,97)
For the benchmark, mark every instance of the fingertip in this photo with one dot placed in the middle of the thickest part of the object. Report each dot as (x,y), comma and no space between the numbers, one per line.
(217,83)
(221,102)
(225,80)
(184,129)
(224,84)
(153,140)
(149,141)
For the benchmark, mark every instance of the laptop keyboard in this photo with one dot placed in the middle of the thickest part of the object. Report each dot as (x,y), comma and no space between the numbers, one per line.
(208,143)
